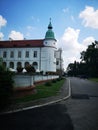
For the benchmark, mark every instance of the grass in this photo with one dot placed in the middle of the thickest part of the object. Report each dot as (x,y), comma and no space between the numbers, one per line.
(43,91)
(94,79)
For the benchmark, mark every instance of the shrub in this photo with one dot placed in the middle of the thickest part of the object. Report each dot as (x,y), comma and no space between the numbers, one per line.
(53,81)
(41,72)
(19,69)
(48,84)
(6,87)
(58,79)
(30,68)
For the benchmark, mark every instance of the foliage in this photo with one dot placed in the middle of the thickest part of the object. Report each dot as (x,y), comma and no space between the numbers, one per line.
(94,79)
(41,72)
(6,86)
(19,69)
(48,84)
(88,65)
(51,73)
(54,81)
(30,69)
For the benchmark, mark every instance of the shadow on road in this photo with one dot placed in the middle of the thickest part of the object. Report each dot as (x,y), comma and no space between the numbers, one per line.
(52,117)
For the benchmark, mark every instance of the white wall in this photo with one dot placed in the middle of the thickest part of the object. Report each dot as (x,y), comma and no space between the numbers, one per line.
(45,57)
(23,81)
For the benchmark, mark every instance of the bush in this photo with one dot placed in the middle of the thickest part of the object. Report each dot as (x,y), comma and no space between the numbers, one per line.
(6,87)
(53,81)
(30,68)
(19,69)
(48,84)
(59,79)
(41,72)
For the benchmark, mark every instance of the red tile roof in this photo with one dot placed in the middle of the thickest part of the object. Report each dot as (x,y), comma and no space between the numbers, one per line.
(21,43)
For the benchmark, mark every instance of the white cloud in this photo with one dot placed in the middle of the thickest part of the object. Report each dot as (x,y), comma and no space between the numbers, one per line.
(87,41)
(71,46)
(90,17)
(1,36)
(3,21)
(16,35)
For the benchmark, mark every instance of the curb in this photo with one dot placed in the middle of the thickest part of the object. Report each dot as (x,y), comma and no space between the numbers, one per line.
(42,105)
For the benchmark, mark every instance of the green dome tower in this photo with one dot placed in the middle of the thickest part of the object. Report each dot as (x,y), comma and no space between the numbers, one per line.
(50,37)
(50,49)
(50,33)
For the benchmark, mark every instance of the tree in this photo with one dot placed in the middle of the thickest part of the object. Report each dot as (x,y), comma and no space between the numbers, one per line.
(90,58)
(89,63)
(6,86)
(30,69)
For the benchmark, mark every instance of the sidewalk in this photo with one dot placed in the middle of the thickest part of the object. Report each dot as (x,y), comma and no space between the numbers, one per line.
(64,93)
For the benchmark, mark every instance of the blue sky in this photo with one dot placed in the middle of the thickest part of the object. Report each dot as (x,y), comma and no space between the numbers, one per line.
(75,22)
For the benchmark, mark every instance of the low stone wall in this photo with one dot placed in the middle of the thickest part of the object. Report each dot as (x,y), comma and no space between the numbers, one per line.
(44,77)
(25,82)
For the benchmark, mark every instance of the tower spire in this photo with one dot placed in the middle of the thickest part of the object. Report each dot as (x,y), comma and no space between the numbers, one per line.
(50,25)
(49,34)
(50,19)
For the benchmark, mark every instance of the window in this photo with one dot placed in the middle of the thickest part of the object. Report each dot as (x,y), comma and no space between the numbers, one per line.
(4,54)
(35,65)
(19,54)
(57,62)
(19,64)
(4,64)
(35,53)
(54,54)
(11,64)
(27,54)
(26,64)
(12,54)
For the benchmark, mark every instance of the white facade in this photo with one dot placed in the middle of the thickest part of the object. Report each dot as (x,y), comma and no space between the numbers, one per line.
(42,55)
(59,60)
(44,60)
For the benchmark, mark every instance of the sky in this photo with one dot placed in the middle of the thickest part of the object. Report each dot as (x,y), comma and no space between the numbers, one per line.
(75,23)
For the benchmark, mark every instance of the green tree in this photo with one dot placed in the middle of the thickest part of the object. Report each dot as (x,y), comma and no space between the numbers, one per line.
(90,58)
(89,62)
(6,86)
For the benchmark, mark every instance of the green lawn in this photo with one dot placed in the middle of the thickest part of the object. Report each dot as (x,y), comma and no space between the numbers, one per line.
(94,79)
(43,91)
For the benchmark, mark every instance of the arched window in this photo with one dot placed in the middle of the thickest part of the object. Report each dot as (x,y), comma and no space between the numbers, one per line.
(19,64)
(11,65)
(26,64)
(35,65)
(4,64)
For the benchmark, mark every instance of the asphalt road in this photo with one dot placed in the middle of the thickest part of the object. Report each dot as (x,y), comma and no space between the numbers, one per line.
(79,112)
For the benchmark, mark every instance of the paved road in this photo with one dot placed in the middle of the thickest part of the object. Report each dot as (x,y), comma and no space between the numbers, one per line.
(80,112)
(83,106)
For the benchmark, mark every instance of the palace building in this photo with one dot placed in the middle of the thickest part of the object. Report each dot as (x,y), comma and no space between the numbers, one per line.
(41,53)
